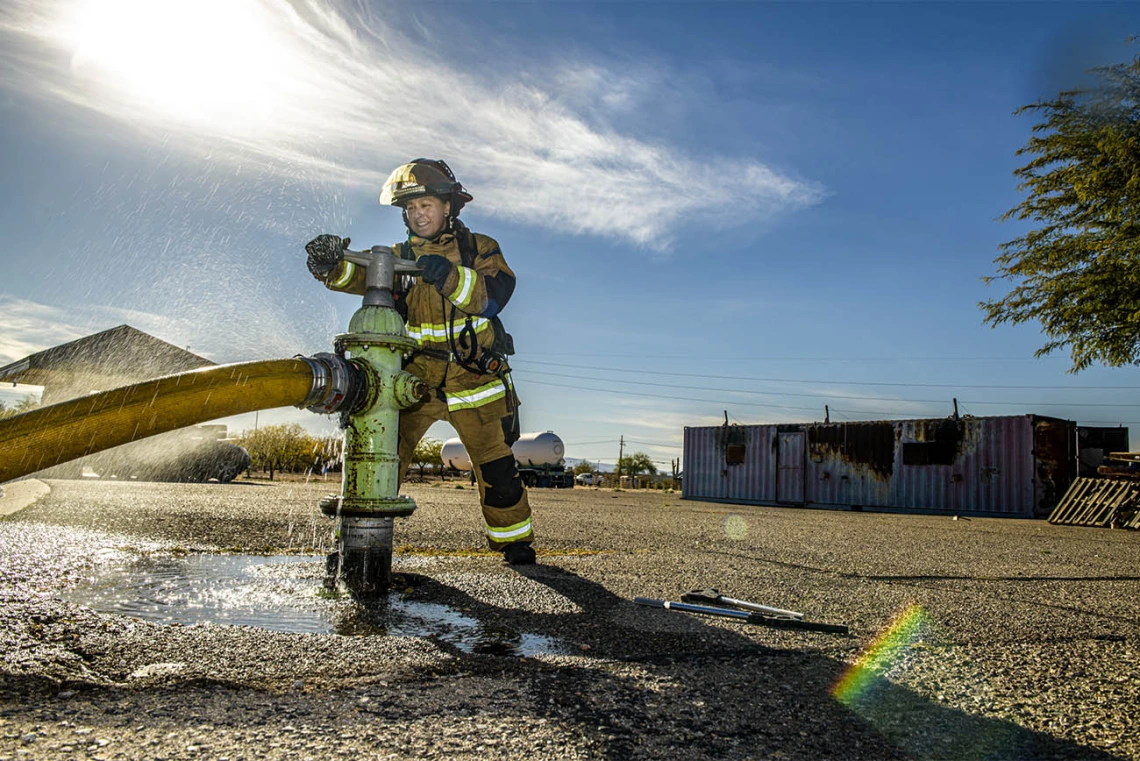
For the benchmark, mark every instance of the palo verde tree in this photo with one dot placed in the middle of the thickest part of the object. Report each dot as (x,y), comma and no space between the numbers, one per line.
(274,448)
(1077,272)
(584,467)
(636,464)
(428,452)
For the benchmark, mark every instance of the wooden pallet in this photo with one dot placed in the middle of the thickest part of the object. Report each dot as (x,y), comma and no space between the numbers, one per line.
(1123,456)
(1099,502)
(1132,522)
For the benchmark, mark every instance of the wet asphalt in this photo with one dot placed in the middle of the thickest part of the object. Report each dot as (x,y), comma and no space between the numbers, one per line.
(1014,639)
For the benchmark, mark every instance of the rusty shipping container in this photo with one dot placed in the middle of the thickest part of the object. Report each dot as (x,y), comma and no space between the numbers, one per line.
(1015,466)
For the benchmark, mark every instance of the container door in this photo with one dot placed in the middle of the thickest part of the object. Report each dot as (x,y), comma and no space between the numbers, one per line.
(790,468)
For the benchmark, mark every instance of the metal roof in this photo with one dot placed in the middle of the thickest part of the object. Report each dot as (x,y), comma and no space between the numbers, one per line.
(120,351)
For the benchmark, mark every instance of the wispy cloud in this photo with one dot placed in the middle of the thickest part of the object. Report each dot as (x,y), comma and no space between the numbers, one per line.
(340,94)
(29,327)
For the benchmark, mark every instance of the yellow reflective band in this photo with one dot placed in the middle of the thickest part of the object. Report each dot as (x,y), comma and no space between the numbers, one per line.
(461,297)
(348,269)
(517,531)
(476,397)
(426,332)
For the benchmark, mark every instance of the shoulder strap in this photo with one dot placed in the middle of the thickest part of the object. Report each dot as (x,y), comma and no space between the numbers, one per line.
(468,248)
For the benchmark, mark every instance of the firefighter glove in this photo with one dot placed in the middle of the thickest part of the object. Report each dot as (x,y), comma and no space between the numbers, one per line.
(436,269)
(325,253)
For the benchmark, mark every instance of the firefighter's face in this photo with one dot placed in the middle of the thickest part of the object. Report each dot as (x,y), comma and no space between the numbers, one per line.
(427,215)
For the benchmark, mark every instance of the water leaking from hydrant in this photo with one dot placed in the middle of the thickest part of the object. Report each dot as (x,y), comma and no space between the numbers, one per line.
(285,594)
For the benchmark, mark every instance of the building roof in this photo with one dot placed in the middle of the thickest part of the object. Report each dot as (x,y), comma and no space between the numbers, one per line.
(120,351)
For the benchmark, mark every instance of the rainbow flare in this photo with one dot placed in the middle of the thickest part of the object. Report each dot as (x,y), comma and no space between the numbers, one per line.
(880,655)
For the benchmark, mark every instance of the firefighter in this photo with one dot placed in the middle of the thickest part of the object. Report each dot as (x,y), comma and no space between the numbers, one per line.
(453,313)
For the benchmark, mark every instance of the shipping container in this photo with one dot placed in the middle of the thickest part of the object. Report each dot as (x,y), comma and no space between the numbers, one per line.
(1002,466)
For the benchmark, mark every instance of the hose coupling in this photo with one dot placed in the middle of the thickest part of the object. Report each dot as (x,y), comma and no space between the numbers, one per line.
(338,384)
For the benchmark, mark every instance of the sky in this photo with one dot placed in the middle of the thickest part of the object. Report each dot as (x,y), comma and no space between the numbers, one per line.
(715,210)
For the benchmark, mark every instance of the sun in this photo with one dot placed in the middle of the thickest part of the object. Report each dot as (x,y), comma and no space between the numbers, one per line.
(215,62)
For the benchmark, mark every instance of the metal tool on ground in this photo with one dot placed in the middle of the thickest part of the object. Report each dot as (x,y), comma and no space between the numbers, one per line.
(759,619)
(713,597)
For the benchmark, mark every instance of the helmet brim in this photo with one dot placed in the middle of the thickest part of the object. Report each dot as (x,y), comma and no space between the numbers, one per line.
(400,196)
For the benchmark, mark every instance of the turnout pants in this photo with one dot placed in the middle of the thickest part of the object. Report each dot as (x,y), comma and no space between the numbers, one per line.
(482,429)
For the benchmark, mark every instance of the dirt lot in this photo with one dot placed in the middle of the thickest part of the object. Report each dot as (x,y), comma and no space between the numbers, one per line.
(1014,639)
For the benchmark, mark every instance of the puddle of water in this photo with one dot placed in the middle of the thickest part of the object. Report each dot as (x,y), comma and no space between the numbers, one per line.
(285,594)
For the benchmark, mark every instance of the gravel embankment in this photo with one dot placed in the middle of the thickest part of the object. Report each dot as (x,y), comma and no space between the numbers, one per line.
(1027,643)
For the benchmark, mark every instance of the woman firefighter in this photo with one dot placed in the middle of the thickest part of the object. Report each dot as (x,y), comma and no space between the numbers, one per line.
(453,313)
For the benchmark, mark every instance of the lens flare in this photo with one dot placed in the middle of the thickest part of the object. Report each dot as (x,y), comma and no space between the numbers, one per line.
(878,658)
(736,527)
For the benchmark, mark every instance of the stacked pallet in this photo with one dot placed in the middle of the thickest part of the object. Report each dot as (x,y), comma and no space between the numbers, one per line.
(1112,499)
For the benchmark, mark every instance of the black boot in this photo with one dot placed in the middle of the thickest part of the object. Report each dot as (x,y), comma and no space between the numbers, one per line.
(519,553)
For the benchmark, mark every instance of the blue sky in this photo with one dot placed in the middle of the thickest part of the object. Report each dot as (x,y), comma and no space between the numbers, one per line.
(751,208)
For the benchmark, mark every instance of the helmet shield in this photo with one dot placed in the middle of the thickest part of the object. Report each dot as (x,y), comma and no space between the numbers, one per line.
(423,177)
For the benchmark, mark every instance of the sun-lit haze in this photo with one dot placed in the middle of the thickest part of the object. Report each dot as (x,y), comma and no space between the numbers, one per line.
(329,89)
(770,212)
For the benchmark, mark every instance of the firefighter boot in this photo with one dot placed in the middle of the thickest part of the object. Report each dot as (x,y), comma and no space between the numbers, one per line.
(519,553)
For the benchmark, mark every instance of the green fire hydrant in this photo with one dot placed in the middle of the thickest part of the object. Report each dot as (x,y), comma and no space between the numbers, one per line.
(375,346)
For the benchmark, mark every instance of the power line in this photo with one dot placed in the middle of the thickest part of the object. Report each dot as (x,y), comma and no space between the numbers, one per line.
(761,358)
(653,444)
(825,395)
(674,398)
(838,383)
(737,403)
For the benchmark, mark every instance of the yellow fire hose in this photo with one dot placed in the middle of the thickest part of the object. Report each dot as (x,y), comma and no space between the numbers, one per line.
(61,432)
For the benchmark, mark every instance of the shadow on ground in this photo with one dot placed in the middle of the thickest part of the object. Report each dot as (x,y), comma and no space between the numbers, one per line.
(674,686)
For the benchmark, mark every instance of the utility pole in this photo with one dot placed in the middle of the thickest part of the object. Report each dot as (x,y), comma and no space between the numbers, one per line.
(621,449)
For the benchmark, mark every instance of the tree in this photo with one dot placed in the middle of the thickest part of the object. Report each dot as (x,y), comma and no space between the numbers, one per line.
(27,404)
(584,467)
(278,448)
(1077,272)
(428,452)
(637,463)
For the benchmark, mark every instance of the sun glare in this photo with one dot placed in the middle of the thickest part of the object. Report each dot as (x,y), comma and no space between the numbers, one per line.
(219,62)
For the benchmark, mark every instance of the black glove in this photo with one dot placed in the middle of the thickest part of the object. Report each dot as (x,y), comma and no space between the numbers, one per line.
(325,253)
(436,269)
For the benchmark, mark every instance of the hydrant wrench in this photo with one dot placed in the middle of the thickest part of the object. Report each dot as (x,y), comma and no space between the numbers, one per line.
(755,617)
(714,597)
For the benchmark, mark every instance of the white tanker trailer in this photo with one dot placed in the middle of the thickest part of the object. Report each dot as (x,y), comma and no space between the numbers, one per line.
(539,457)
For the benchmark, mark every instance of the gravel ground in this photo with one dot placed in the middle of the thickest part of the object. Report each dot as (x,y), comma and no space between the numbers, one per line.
(1023,638)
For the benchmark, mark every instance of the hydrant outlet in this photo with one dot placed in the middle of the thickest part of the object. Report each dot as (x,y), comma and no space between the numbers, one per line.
(408,389)
(337,384)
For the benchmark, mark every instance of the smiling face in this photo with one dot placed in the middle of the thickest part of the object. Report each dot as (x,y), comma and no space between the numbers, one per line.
(427,215)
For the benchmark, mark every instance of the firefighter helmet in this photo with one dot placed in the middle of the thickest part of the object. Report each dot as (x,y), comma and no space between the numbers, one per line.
(424,177)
